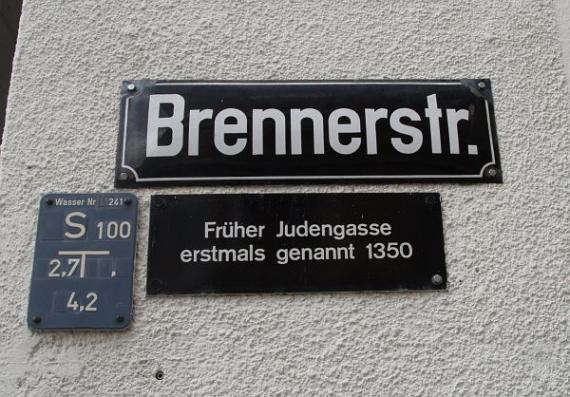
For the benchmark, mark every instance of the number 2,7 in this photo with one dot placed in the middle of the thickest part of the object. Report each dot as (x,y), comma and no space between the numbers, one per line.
(74,305)
(73,264)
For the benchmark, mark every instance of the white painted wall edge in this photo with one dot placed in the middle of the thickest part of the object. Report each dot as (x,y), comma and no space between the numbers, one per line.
(563,8)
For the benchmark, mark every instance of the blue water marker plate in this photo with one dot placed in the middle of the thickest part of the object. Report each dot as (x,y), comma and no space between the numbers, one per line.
(83,263)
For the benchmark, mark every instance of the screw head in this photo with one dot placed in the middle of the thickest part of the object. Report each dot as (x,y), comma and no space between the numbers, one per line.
(492,172)
(49,201)
(119,319)
(430,199)
(159,375)
(123,176)
(160,203)
(155,285)
(481,84)
(128,201)
(437,279)
(36,319)
(131,87)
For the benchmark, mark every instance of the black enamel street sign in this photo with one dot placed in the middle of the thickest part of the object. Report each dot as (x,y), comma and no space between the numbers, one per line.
(82,276)
(295,242)
(197,132)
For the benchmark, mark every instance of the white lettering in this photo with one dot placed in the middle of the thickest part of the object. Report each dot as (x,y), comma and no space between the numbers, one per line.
(416,134)
(371,117)
(297,115)
(278,117)
(345,129)
(453,118)
(174,123)
(69,222)
(336,128)
(433,113)
(195,118)
(222,128)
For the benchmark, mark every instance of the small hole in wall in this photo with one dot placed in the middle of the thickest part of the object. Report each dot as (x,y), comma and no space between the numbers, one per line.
(159,375)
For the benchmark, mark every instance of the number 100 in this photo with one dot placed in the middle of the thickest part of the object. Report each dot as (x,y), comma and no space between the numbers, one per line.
(112,230)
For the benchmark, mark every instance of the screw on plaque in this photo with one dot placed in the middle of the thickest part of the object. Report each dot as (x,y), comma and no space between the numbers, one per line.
(481,84)
(123,176)
(131,87)
(159,202)
(119,319)
(491,172)
(159,375)
(436,279)
(36,319)
(155,285)
(128,201)
(430,199)
(49,201)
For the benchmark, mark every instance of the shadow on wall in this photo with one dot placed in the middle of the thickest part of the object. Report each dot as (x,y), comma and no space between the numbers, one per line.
(10,11)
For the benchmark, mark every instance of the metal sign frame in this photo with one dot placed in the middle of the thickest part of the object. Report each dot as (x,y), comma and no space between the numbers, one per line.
(82,275)
(133,92)
(251,243)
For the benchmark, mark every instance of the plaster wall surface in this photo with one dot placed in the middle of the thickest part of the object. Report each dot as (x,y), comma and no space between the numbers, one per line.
(500,330)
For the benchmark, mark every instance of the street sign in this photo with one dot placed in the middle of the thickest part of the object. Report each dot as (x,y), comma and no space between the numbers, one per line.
(236,243)
(224,132)
(82,274)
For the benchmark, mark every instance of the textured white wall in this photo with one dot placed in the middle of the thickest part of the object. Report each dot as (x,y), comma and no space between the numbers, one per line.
(502,329)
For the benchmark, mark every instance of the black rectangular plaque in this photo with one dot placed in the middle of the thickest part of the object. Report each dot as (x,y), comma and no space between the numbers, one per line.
(223,132)
(295,242)
(82,276)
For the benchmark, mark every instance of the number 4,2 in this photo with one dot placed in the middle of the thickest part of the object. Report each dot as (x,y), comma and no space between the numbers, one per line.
(74,305)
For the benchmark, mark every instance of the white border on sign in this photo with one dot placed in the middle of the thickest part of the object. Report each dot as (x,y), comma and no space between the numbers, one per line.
(304,177)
